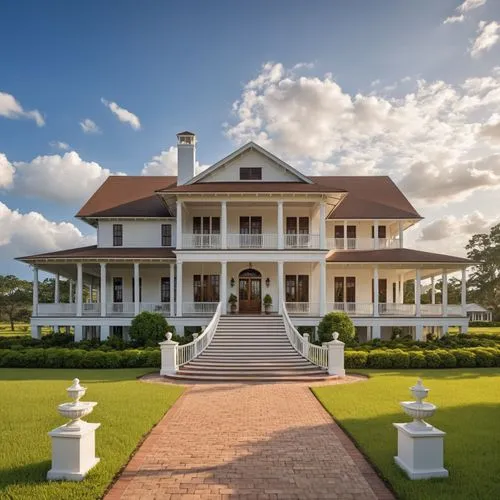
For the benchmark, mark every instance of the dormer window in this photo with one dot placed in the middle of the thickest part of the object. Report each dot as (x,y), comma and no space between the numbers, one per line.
(117,235)
(250,174)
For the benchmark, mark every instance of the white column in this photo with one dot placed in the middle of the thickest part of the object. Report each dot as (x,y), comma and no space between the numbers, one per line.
(463,295)
(444,293)
(223,223)
(178,243)
(137,298)
(70,299)
(375,234)
(179,288)
(35,291)
(79,289)
(56,290)
(375,290)
(322,225)
(281,236)
(223,285)
(172,289)
(103,289)
(322,288)
(433,291)
(400,227)
(280,286)
(91,293)
(169,365)
(345,235)
(401,289)
(417,292)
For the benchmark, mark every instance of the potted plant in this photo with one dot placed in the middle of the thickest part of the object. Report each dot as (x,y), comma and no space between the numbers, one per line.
(233,300)
(268,302)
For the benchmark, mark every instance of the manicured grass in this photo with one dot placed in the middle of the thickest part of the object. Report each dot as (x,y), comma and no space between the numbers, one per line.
(127,409)
(468,403)
(484,330)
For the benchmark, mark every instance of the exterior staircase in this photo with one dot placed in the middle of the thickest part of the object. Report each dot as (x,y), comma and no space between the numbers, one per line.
(250,349)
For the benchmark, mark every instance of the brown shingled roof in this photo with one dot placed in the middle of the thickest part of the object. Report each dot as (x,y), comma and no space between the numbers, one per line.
(93,252)
(252,187)
(395,255)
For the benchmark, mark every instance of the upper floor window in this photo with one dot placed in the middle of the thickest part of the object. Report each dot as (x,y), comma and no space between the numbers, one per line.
(206,225)
(117,235)
(297,225)
(250,174)
(381,232)
(166,235)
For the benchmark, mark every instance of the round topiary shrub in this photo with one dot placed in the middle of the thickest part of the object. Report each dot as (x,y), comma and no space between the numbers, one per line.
(400,359)
(484,357)
(148,329)
(417,359)
(433,360)
(355,359)
(336,322)
(448,360)
(465,358)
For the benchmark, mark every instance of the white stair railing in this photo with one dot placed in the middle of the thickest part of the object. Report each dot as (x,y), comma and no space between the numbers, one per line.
(187,352)
(317,355)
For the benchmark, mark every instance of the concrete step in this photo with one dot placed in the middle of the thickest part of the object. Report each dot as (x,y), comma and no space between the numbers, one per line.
(254,379)
(267,367)
(246,375)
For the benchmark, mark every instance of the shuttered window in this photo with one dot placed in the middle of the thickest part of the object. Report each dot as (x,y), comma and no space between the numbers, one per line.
(250,174)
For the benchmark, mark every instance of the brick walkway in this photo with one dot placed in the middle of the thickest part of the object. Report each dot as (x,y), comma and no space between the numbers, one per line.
(248,441)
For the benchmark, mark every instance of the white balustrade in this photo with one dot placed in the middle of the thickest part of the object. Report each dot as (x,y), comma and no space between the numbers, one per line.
(264,240)
(59,309)
(396,309)
(352,308)
(431,309)
(199,307)
(311,308)
(156,307)
(301,240)
(455,310)
(187,352)
(91,309)
(360,243)
(317,355)
(201,241)
(120,309)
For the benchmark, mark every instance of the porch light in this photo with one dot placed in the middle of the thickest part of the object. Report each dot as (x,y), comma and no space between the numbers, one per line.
(268,282)
(232,282)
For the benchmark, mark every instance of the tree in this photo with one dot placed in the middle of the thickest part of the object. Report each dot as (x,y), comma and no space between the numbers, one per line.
(147,329)
(336,322)
(15,299)
(484,281)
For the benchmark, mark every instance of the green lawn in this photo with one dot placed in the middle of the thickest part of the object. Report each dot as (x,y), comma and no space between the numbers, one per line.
(468,403)
(488,330)
(127,409)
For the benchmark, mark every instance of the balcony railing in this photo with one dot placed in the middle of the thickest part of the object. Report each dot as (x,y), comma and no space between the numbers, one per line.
(352,308)
(60,309)
(431,310)
(156,307)
(361,243)
(201,241)
(396,309)
(301,241)
(455,310)
(265,240)
(199,307)
(308,308)
(91,309)
(120,309)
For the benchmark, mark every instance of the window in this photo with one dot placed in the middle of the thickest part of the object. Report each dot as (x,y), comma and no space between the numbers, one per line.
(381,231)
(297,225)
(140,290)
(250,174)
(382,291)
(345,289)
(117,235)
(206,288)
(394,293)
(297,288)
(339,289)
(166,235)
(117,290)
(206,225)
(165,289)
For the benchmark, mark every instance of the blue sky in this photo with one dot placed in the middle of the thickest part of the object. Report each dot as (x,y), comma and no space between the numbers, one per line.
(178,65)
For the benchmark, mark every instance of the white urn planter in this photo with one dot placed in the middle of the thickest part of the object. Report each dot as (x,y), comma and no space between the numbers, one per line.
(73,444)
(420,445)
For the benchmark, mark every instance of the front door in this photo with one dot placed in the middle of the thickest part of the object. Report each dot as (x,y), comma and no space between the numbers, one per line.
(250,291)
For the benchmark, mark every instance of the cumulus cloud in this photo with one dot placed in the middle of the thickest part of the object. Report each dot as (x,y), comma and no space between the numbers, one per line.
(11,108)
(89,126)
(166,164)
(124,115)
(488,35)
(29,233)
(59,145)
(491,129)
(451,226)
(6,172)
(312,122)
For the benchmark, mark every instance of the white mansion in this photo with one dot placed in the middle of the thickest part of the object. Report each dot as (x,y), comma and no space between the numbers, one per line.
(250,225)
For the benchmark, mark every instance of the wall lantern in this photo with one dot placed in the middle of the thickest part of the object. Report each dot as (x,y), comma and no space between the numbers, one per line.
(268,282)
(232,282)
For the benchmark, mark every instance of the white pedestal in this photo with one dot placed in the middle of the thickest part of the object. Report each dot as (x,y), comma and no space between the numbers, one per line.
(420,452)
(73,452)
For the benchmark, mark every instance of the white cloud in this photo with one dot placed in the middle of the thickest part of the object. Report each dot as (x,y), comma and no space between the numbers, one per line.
(470,5)
(10,108)
(453,227)
(64,146)
(374,83)
(6,172)
(123,114)
(454,19)
(166,164)
(434,130)
(29,233)
(89,126)
(491,129)
(488,36)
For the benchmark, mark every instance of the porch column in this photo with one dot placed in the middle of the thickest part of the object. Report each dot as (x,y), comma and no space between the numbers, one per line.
(280,286)
(178,229)
(345,235)
(70,298)
(433,290)
(35,291)
(172,289)
(179,288)
(463,295)
(375,291)
(56,290)
(281,236)
(401,289)
(401,229)
(137,282)
(102,293)
(375,234)
(322,225)
(223,285)
(322,287)
(223,223)
(79,288)
(444,293)
(417,292)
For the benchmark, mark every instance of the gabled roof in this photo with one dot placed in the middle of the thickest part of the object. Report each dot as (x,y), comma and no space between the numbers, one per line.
(247,147)
(475,308)
(186,132)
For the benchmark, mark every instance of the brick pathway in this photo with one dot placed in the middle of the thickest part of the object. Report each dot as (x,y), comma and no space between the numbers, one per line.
(248,441)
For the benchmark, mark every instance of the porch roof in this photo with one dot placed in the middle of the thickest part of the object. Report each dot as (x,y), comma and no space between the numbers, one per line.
(396,255)
(93,253)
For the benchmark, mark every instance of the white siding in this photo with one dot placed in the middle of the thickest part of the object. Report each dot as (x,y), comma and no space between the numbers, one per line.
(137,233)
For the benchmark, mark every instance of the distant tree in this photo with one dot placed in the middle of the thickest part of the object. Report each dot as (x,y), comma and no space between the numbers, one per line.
(484,281)
(15,299)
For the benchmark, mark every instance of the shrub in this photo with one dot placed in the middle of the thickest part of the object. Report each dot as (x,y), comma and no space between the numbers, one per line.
(355,359)
(399,358)
(433,360)
(379,358)
(484,357)
(465,358)
(148,329)
(448,360)
(336,322)
(417,359)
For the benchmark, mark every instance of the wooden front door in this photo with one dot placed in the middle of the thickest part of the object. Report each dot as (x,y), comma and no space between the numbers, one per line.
(250,291)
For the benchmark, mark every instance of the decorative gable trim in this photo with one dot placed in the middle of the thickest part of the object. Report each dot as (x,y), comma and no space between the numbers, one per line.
(247,147)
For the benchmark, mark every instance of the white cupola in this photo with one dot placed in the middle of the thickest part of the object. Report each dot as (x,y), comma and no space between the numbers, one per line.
(186,157)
